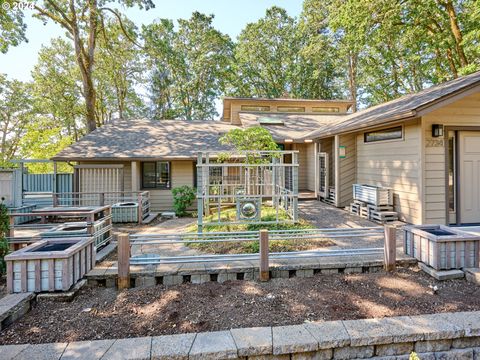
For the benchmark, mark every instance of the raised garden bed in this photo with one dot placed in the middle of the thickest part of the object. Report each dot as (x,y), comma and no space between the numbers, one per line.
(22,210)
(50,265)
(103,313)
(442,247)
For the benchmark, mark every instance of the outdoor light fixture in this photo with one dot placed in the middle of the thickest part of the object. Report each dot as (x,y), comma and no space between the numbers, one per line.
(308,140)
(289,140)
(437,130)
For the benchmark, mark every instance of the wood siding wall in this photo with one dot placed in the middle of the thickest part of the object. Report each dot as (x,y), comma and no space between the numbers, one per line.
(395,164)
(310,150)
(464,112)
(347,170)
(302,165)
(231,111)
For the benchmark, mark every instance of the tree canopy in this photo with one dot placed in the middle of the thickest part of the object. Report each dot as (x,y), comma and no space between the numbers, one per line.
(107,67)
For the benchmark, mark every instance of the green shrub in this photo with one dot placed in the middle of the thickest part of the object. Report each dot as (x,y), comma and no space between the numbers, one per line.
(4,227)
(183,197)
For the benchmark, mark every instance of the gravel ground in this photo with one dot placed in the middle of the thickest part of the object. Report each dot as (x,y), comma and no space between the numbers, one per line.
(100,313)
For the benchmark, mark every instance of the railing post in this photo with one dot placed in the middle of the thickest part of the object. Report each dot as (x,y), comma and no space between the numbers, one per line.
(123,261)
(264,266)
(102,199)
(11,232)
(140,208)
(55,199)
(390,248)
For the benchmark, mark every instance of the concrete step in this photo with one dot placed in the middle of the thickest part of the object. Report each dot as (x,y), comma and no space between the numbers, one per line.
(150,218)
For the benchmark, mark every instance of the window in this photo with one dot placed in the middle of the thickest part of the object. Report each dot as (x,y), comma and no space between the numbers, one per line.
(325,109)
(384,134)
(255,108)
(290,109)
(270,121)
(156,175)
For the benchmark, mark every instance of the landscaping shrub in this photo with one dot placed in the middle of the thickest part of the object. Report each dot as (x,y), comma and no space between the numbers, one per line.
(4,227)
(183,197)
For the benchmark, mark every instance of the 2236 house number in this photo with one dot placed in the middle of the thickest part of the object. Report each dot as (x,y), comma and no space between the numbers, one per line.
(434,143)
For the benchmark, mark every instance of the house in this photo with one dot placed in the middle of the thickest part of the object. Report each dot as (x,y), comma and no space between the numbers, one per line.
(143,154)
(425,146)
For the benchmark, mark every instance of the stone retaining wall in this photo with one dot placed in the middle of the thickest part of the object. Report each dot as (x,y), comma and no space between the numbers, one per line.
(438,336)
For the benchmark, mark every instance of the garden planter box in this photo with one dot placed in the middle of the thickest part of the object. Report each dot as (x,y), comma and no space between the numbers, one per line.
(442,247)
(374,195)
(79,229)
(125,212)
(50,265)
(22,209)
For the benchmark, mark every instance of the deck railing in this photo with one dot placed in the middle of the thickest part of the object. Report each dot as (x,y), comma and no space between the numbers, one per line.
(98,223)
(82,199)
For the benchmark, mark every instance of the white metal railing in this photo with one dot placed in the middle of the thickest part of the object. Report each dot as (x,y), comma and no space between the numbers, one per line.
(253,236)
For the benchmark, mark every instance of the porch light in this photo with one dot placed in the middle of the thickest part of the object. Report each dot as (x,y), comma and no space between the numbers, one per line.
(289,140)
(437,130)
(308,140)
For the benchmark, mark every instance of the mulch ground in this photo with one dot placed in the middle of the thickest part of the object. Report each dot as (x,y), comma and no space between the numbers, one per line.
(100,313)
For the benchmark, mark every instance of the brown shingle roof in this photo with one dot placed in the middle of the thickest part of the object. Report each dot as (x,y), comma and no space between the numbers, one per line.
(147,139)
(404,107)
(294,126)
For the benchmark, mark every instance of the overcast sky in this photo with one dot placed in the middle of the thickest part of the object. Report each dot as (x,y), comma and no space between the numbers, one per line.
(231,16)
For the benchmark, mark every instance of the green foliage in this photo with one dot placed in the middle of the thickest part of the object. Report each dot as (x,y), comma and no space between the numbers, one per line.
(12,26)
(15,114)
(189,66)
(4,227)
(183,197)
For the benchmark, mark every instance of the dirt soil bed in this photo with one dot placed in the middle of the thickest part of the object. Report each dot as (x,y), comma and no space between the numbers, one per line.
(100,313)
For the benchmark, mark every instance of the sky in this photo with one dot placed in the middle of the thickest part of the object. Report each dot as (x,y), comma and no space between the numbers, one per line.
(231,16)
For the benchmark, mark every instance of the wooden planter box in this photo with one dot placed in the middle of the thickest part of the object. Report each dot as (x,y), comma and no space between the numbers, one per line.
(80,229)
(50,265)
(442,247)
(374,195)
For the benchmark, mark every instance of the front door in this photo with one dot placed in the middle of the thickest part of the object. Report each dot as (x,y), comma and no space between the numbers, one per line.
(469,182)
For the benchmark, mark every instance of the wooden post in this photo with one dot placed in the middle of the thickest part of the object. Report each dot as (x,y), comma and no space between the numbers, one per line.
(102,199)
(264,267)
(11,232)
(390,248)
(55,199)
(140,208)
(123,261)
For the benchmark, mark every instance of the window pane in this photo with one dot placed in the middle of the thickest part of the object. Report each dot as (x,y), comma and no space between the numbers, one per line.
(385,134)
(255,108)
(148,175)
(163,174)
(325,109)
(290,109)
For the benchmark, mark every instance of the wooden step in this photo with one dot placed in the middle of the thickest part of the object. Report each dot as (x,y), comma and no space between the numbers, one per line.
(150,218)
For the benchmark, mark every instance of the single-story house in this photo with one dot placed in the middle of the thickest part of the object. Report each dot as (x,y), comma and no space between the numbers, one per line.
(425,146)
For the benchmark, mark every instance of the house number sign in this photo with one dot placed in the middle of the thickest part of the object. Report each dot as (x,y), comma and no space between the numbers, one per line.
(434,143)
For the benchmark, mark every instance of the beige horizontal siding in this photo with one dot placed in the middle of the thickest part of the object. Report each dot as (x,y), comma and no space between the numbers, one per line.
(302,165)
(182,174)
(310,150)
(347,174)
(394,164)
(464,112)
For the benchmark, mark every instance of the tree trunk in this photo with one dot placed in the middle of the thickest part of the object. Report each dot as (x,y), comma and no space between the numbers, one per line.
(457,33)
(352,79)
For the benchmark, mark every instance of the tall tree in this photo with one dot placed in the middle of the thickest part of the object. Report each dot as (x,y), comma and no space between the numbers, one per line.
(189,66)
(12,27)
(83,22)
(15,114)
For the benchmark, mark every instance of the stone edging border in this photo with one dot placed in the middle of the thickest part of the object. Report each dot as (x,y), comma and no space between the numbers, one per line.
(447,335)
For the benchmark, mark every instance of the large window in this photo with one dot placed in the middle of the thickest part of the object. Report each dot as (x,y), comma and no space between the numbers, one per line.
(384,134)
(326,109)
(156,175)
(290,109)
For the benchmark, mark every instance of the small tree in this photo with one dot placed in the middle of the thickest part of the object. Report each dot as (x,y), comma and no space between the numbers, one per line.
(254,138)
(183,197)
(4,227)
